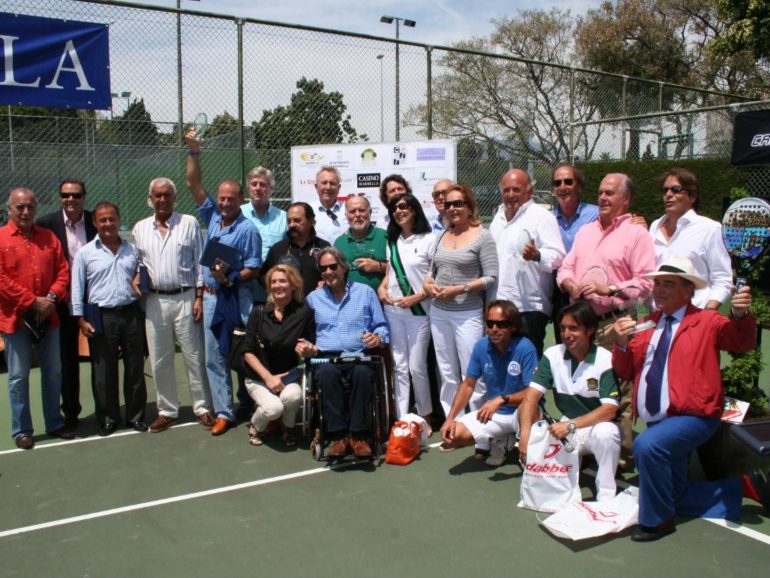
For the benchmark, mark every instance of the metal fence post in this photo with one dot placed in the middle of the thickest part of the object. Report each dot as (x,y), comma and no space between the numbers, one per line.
(429,54)
(241,134)
(571,152)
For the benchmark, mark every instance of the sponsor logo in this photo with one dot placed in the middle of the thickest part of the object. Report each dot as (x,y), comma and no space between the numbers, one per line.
(553,449)
(760,140)
(548,468)
(431,154)
(368,180)
(514,368)
(597,516)
(368,157)
(311,157)
(593,384)
(399,155)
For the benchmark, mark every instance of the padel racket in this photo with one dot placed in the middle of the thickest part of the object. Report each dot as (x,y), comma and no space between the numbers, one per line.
(200,124)
(746,233)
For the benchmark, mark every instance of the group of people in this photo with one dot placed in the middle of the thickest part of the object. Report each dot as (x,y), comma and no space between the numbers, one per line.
(321,280)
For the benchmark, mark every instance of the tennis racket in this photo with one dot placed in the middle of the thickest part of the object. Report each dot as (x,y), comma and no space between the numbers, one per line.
(746,234)
(200,124)
(523,238)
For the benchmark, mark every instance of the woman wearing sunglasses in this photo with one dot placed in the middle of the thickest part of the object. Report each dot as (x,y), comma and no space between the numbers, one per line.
(464,267)
(410,248)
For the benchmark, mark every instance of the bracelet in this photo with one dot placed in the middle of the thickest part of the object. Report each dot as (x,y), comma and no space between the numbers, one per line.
(193,153)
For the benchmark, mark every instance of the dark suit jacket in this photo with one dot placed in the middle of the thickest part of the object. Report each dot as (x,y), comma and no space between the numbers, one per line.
(55,222)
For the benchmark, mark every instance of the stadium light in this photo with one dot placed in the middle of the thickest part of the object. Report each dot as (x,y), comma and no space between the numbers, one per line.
(410,24)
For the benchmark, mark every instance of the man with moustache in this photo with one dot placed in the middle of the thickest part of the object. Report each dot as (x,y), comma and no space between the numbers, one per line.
(363,244)
(74,227)
(331,221)
(301,246)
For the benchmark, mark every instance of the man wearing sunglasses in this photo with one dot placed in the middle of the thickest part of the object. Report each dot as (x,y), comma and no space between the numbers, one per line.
(438,223)
(74,227)
(506,361)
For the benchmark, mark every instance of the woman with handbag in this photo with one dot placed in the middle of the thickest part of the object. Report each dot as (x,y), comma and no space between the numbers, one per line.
(410,248)
(278,335)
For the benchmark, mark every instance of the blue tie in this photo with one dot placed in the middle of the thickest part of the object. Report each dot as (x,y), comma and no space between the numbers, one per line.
(654,376)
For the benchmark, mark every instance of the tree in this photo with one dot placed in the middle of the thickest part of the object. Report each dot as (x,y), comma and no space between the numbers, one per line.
(134,127)
(747,22)
(224,123)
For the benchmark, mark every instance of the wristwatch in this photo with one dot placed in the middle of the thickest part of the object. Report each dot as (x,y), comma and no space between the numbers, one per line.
(613,289)
(467,288)
(52,296)
(571,427)
(504,398)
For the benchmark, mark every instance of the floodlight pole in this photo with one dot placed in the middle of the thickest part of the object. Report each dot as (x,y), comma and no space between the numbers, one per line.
(179,94)
(411,24)
(382,108)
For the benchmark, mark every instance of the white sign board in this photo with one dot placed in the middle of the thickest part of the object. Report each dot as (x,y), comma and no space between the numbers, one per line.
(364,166)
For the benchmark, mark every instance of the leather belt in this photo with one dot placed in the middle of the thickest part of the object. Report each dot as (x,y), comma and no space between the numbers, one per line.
(170,291)
(120,308)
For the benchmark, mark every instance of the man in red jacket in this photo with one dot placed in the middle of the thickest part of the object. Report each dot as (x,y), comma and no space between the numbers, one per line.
(678,392)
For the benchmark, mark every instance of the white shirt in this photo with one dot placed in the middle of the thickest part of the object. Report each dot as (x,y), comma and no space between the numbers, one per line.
(416,254)
(76,235)
(700,240)
(326,227)
(528,284)
(172,261)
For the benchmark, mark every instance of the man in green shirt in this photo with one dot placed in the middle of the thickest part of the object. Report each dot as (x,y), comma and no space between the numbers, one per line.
(363,244)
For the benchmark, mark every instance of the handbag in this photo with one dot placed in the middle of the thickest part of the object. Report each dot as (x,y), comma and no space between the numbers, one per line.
(582,520)
(235,360)
(404,443)
(550,479)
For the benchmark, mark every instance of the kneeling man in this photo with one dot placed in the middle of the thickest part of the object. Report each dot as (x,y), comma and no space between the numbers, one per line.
(586,392)
(506,360)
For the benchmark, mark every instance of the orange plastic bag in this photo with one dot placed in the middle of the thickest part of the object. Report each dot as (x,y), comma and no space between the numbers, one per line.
(404,443)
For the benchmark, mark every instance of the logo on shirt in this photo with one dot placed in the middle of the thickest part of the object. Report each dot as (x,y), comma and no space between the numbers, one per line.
(592,383)
(514,368)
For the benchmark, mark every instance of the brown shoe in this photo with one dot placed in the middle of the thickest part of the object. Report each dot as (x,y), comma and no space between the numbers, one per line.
(161,423)
(360,448)
(339,448)
(206,420)
(62,433)
(221,425)
(24,442)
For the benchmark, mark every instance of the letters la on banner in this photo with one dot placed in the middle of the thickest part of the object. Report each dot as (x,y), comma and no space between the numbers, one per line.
(54,63)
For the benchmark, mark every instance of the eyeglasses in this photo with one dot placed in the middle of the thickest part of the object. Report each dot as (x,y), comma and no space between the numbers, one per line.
(676,189)
(439,193)
(331,267)
(459,203)
(402,207)
(567,182)
(71,195)
(501,323)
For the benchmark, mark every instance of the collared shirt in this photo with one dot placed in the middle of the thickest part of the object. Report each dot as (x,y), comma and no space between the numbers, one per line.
(241,234)
(372,246)
(29,268)
(339,324)
(528,284)
(272,226)
(700,240)
(503,373)
(279,338)
(578,387)
(641,394)
(568,227)
(107,275)
(437,224)
(329,228)
(172,261)
(301,258)
(622,252)
(76,235)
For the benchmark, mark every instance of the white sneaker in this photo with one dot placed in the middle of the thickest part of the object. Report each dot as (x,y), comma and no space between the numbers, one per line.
(498,451)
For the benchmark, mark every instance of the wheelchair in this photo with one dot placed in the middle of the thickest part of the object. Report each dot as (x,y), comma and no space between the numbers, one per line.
(313,425)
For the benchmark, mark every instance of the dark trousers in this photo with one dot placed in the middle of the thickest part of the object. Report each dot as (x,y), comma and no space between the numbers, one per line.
(533,324)
(69,334)
(346,390)
(123,332)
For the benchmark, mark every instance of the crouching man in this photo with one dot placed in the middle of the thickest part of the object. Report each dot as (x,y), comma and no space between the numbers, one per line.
(506,360)
(586,392)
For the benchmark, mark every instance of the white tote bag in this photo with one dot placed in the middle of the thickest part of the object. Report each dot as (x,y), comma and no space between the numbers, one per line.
(591,519)
(550,479)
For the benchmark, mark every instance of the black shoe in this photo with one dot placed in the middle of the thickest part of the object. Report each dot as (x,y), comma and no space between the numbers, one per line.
(652,533)
(761,486)
(71,423)
(24,442)
(138,425)
(108,429)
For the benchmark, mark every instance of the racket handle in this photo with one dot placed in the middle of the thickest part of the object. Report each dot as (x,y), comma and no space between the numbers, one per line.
(565,440)
(740,283)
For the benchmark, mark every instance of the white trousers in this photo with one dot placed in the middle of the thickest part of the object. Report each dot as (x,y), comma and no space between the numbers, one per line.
(409,340)
(499,426)
(271,406)
(603,441)
(454,335)
(169,321)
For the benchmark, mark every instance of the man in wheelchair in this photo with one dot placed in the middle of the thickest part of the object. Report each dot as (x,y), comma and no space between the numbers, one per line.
(349,321)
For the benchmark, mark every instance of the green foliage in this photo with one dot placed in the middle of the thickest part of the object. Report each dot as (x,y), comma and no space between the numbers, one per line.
(747,24)
(134,127)
(224,123)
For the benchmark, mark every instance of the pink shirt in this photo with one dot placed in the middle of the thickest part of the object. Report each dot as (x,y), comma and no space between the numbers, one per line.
(624,251)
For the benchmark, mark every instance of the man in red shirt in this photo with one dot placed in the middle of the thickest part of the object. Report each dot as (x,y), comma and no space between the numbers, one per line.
(33,278)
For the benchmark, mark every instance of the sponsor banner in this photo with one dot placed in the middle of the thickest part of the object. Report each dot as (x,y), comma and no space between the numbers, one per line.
(54,63)
(364,166)
(751,138)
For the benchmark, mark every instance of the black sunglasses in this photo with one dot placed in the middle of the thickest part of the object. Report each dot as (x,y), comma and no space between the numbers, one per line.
(459,203)
(676,189)
(439,193)
(567,182)
(501,323)
(401,207)
(71,195)
(332,267)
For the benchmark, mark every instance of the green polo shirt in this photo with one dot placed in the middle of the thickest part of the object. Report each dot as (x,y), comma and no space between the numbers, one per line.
(372,246)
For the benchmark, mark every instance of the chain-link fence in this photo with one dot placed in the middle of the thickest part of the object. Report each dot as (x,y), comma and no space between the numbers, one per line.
(266,87)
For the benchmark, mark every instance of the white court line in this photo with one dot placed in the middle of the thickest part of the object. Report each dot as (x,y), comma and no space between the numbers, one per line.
(174,499)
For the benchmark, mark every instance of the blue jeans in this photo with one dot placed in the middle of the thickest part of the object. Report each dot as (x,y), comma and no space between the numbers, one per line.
(18,351)
(662,454)
(218,372)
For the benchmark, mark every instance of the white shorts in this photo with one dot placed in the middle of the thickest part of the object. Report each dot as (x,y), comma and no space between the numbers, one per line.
(499,426)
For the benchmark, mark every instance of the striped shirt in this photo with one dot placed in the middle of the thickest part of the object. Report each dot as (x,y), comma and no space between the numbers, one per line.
(171,261)
(477,260)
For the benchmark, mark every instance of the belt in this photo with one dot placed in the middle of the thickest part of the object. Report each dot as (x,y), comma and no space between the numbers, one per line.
(170,291)
(120,308)
(210,290)
(614,313)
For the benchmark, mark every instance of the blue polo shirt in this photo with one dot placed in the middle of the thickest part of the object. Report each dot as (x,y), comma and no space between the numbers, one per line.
(241,234)
(586,213)
(503,373)
(272,228)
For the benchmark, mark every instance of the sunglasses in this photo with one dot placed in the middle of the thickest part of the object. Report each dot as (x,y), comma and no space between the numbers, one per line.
(402,207)
(439,193)
(332,267)
(567,182)
(501,323)
(676,189)
(459,203)
(71,195)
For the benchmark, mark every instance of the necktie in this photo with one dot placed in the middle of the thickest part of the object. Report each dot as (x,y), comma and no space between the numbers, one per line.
(654,377)
(331,214)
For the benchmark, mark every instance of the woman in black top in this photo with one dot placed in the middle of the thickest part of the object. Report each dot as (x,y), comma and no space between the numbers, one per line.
(278,334)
